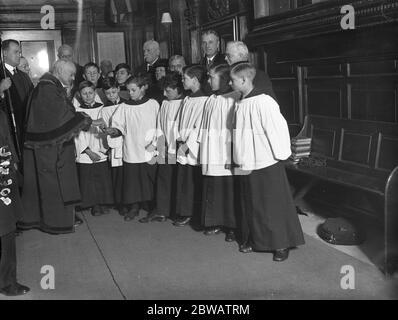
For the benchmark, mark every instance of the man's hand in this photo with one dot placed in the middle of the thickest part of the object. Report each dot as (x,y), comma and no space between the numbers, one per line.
(93,156)
(5,84)
(99,123)
(113,132)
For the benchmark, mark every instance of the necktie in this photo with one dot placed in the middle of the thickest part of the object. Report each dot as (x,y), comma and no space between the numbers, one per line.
(15,70)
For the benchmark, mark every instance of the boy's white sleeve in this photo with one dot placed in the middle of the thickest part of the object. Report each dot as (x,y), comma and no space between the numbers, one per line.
(276,128)
(119,120)
(81,143)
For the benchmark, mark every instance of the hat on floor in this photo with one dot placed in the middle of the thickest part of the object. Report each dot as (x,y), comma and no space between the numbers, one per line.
(340,231)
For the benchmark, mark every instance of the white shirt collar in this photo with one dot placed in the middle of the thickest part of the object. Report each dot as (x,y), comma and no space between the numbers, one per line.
(212,58)
(10,68)
(151,64)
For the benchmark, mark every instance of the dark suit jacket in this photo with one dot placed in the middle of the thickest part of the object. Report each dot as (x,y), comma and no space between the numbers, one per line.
(263,83)
(19,91)
(152,69)
(218,59)
(78,79)
(154,91)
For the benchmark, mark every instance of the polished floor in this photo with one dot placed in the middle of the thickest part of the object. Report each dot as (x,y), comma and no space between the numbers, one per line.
(107,258)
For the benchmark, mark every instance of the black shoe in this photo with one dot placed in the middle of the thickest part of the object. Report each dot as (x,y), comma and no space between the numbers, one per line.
(105,210)
(212,231)
(78,221)
(122,210)
(281,255)
(15,290)
(230,236)
(148,217)
(244,248)
(96,211)
(181,222)
(159,218)
(131,215)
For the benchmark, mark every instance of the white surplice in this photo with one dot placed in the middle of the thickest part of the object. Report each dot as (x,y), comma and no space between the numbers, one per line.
(167,128)
(137,123)
(94,138)
(189,121)
(115,144)
(261,134)
(215,135)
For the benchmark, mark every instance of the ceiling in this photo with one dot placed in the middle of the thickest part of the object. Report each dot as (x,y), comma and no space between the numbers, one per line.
(20,4)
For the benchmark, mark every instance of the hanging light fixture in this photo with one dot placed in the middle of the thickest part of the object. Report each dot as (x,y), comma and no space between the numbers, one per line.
(166,18)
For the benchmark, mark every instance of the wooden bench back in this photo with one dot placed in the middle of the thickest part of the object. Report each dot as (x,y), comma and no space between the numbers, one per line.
(363,147)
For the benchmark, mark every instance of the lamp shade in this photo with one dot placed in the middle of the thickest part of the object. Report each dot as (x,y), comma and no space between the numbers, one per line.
(166,18)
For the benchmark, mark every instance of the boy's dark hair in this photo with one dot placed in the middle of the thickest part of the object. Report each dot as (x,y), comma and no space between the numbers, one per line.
(89,65)
(196,71)
(223,70)
(173,80)
(109,83)
(123,66)
(244,69)
(139,80)
(86,84)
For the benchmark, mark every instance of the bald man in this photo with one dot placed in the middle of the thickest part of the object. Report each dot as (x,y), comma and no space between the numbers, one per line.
(66,52)
(51,186)
(237,52)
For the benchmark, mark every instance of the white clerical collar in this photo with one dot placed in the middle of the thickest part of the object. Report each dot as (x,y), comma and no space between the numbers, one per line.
(10,68)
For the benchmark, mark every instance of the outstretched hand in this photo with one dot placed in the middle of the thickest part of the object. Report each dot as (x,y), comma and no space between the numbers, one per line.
(99,123)
(94,157)
(113,132)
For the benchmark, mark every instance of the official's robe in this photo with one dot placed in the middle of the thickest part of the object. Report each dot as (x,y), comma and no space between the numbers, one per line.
(51,185)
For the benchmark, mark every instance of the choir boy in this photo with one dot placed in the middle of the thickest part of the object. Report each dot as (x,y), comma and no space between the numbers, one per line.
(189,175)
(112,90)
(261,142)
(166,146)
(122,73)
(219,205)
(91,156)
(91,72)
(135,120)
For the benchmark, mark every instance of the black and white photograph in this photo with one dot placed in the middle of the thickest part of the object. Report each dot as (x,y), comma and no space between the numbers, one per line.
(198,155)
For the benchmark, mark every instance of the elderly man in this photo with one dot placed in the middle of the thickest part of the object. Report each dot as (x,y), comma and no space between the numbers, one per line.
(10,206)
(21,85)
(177,63)
(237,52)
(211,50)
(51,186)
(66,52)
(152,61)
(152,58)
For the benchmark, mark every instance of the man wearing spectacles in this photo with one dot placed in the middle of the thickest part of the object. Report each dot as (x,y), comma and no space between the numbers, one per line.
(66,52)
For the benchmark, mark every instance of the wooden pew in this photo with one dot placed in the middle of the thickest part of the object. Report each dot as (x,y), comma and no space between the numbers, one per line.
(356,155)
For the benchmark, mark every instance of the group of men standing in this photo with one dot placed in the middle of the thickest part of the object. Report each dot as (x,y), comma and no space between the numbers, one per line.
(39,158)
